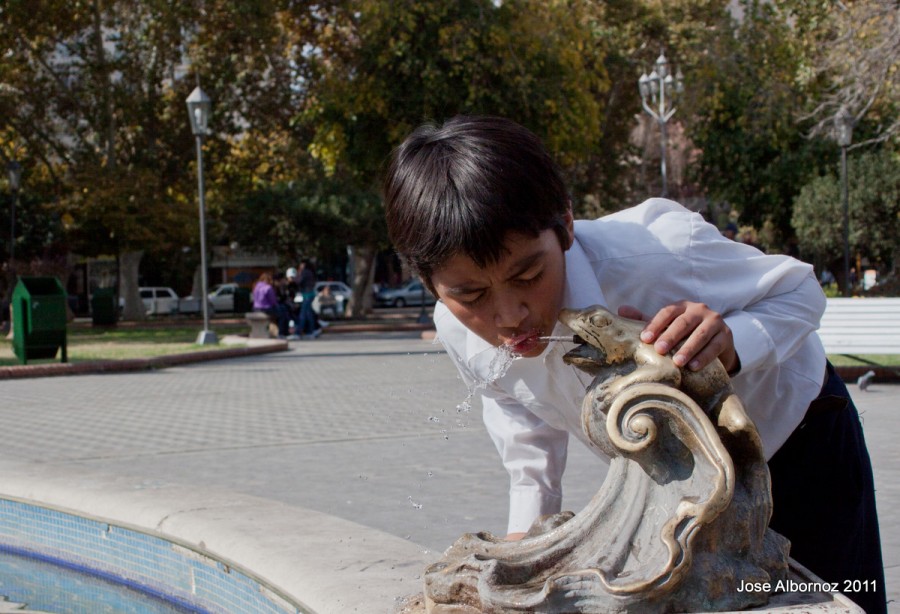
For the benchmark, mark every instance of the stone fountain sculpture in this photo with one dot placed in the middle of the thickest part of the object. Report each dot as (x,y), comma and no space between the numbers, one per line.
(680,522)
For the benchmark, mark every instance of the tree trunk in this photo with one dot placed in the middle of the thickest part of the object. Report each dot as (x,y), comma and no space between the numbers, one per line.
(363,273)
(128,286)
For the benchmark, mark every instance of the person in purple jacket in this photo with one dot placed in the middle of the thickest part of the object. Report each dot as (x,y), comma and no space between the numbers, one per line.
(265,300)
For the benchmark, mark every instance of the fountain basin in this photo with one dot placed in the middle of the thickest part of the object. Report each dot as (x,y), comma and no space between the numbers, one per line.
(193,543)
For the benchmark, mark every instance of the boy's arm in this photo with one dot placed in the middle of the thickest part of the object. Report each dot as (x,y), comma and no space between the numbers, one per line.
(767,331)
(534,454)
(729,300)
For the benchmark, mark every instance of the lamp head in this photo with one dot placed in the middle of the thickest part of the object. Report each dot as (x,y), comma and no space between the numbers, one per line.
(14,174)
(199,107)
(844,121)
(644,85)
(662,66)
(654,80)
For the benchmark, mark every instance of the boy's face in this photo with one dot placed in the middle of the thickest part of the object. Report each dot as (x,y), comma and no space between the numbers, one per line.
(514,300)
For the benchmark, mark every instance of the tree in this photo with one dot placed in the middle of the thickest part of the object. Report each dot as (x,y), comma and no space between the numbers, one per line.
(95,99)
(384,67)
(874,205)
(747,99)
(96,90)
(855,49)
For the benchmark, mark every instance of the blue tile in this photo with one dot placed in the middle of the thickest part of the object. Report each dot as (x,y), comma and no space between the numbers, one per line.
(136,559)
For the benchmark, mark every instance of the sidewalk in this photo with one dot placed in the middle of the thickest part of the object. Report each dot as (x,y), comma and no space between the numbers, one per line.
(363,426)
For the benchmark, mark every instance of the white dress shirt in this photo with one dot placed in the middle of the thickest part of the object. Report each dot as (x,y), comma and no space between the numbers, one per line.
(648,257)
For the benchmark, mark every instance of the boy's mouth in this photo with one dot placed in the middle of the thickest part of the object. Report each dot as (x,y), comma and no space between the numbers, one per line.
(525,342)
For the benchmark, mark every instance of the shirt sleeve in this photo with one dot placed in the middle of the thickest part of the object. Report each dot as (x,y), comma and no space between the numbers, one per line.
(771,303)
(768,332)
(534,455)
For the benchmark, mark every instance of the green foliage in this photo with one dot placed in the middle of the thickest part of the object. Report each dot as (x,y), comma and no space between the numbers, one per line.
(398,64)
(302,218)
(310,98)
(874,206)
(754,154)
(89,96)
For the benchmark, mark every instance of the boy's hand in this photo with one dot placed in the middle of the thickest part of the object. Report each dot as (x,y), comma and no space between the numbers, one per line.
(703,331)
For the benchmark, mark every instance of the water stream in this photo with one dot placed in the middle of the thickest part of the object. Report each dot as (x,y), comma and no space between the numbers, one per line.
(498,367)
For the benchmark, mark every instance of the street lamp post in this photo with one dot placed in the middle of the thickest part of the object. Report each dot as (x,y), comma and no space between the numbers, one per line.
(423,313)
(199,106)
(844,123)
(654,89)
(14,172)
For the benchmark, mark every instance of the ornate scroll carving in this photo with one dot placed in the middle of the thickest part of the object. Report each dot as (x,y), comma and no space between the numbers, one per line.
(679,522)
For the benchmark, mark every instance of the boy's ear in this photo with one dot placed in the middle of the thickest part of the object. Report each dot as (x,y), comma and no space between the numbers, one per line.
(570,227)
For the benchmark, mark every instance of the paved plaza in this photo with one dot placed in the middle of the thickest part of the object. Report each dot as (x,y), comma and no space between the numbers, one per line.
(367,427)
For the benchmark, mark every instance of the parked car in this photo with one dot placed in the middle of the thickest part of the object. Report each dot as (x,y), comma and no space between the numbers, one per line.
(222,296)
(410,293)
(162,300)
(341,293)
(159,300)
(189,304)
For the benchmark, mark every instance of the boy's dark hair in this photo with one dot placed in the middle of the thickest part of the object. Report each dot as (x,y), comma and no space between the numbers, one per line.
(462,187)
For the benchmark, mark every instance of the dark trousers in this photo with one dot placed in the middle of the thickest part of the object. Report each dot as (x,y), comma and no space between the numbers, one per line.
(308,320)
(282,317)
(824,498)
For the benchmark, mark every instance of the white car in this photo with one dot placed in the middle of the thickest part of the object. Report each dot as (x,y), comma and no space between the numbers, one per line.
(159,300)
(222,297)
(162,300)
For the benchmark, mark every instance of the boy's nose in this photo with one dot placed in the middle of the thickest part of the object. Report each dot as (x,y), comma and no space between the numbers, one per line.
(509,312)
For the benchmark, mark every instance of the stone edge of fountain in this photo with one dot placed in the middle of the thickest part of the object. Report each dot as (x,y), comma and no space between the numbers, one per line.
(323,563)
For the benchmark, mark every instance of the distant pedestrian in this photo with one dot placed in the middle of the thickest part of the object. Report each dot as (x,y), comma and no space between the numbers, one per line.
(293,297)
(309,324)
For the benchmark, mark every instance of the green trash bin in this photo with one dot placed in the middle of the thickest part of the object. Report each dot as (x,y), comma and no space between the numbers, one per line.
(103,307)
(39,318)
(242,302)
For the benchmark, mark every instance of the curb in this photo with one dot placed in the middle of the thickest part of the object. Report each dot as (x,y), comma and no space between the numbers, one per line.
(136,364)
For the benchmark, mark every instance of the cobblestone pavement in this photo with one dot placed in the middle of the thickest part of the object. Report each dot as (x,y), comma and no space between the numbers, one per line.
(362,426)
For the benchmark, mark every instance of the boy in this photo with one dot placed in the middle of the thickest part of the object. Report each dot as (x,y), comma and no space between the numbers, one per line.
(479,210)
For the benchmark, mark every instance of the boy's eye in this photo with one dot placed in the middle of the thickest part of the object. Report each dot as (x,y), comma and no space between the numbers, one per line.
(530,278)
(471,300)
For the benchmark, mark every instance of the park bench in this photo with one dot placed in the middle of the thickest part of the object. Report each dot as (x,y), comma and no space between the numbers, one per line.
(259,324)
(854,326)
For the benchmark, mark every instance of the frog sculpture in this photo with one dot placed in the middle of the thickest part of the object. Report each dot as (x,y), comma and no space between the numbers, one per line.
(678,524)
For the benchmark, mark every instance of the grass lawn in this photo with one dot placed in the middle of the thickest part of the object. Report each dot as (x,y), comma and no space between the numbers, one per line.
(128,341)
(884,360)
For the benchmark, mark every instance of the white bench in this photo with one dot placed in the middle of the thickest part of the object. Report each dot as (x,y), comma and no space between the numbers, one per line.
(861,326)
